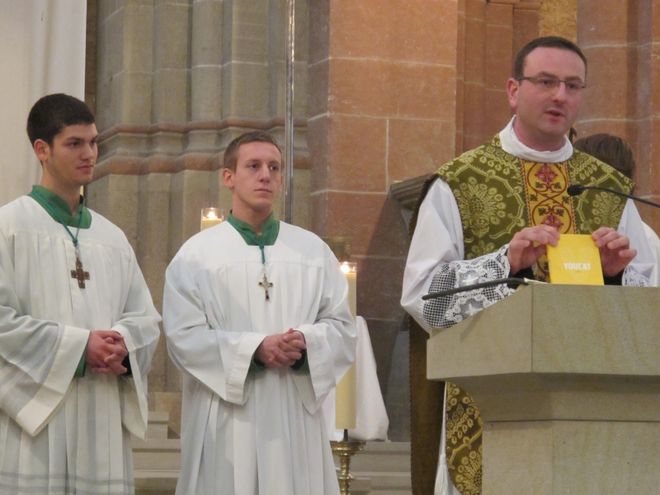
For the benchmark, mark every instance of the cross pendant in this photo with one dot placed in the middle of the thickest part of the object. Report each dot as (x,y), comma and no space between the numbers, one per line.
(265,285)
(80,274)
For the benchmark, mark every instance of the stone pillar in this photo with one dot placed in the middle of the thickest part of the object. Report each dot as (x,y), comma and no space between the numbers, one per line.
(382,108)
(485,63)
(473,87)
(525,22)
(622,51)
(176,80)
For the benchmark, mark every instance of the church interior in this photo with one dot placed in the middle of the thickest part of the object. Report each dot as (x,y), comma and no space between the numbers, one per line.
(384,92)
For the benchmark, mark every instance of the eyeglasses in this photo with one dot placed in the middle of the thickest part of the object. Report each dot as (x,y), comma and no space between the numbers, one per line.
(573,86)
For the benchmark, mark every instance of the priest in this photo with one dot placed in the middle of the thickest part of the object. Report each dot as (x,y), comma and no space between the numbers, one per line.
(77,324)
(491,213)
(256,316)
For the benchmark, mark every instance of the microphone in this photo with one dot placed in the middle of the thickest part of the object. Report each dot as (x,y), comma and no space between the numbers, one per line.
(515,281)
(576,189)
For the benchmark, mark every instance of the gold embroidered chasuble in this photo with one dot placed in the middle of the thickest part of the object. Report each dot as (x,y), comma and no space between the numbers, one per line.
(497,195)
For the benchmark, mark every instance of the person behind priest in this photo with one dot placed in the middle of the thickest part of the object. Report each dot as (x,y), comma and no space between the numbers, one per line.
(77,324)
(491,212)
(615,152)
(257,318)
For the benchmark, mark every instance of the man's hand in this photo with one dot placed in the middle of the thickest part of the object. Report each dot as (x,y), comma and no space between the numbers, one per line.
(295,339)
(529,244)
(281,350)
(105,352)
(615,250)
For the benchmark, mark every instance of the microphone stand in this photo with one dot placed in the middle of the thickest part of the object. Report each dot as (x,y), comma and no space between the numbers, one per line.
(577,189)
(515,281)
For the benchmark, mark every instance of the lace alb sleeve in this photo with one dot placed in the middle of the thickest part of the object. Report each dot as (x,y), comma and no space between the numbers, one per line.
(446,311)
(632,278)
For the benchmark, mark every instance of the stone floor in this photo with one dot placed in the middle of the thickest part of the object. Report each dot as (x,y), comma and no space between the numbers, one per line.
(382,468)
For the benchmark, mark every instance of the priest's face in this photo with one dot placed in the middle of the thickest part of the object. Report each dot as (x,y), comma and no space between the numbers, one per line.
(256,181)
(68,162)
(547,99)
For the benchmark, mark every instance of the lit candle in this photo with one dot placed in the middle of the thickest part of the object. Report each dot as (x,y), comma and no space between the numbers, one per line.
(350,272)
(211,217)
(345,412)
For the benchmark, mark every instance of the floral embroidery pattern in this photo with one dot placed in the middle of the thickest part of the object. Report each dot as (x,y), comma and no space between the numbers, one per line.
(594,209)
(548,202)
(488,188)
(546,194)
(463,447)
(485,204)
(468,478)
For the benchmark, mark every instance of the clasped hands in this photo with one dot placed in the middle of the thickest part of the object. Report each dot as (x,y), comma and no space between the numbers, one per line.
(281,350)
(105,352)
(528,244)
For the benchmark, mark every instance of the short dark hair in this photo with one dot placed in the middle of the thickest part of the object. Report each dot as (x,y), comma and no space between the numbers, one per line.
(52,113)
(609,149)
(544,42)
(231,153)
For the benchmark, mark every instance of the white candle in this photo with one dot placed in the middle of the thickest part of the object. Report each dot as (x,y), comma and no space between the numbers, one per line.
(211,217)
(345,401)
(350,272)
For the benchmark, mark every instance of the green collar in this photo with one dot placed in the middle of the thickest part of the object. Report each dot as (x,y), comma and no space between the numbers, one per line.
(59,209)
(269,231)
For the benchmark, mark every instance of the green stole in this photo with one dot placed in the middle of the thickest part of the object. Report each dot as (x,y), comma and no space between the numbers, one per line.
(59,211)
(497,195)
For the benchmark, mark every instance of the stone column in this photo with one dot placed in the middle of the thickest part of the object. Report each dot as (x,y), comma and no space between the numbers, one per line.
(485,63)
(176,80)
(619,39)
(382,109)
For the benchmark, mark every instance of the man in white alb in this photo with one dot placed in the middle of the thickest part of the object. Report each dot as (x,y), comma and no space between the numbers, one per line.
(77,324)
(256,317)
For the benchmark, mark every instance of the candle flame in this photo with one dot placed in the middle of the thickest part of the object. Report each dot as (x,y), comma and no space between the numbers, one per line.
(347,267)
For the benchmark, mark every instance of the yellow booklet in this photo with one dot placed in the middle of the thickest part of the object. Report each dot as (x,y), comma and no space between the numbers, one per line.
(575,260)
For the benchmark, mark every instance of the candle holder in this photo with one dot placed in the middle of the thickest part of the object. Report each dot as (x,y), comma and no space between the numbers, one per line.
(211,217)
(344,449)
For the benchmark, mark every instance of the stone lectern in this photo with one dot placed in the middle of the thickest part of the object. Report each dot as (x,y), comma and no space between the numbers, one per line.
(567,379)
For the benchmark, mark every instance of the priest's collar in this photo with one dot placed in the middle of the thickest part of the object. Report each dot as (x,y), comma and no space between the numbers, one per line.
(512,145)
(59,209)
(269,230)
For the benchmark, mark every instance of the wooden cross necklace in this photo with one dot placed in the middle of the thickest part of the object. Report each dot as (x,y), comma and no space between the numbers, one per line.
(79,272)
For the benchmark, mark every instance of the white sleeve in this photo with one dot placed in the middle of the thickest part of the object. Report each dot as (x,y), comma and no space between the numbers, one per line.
(641,270)
(438,238)
(331,338)
(217,357)
(138,324)
(38,357)
(654,242)
(435,261)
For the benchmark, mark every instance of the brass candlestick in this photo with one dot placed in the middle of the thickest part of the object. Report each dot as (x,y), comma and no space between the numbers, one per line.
(344,449)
